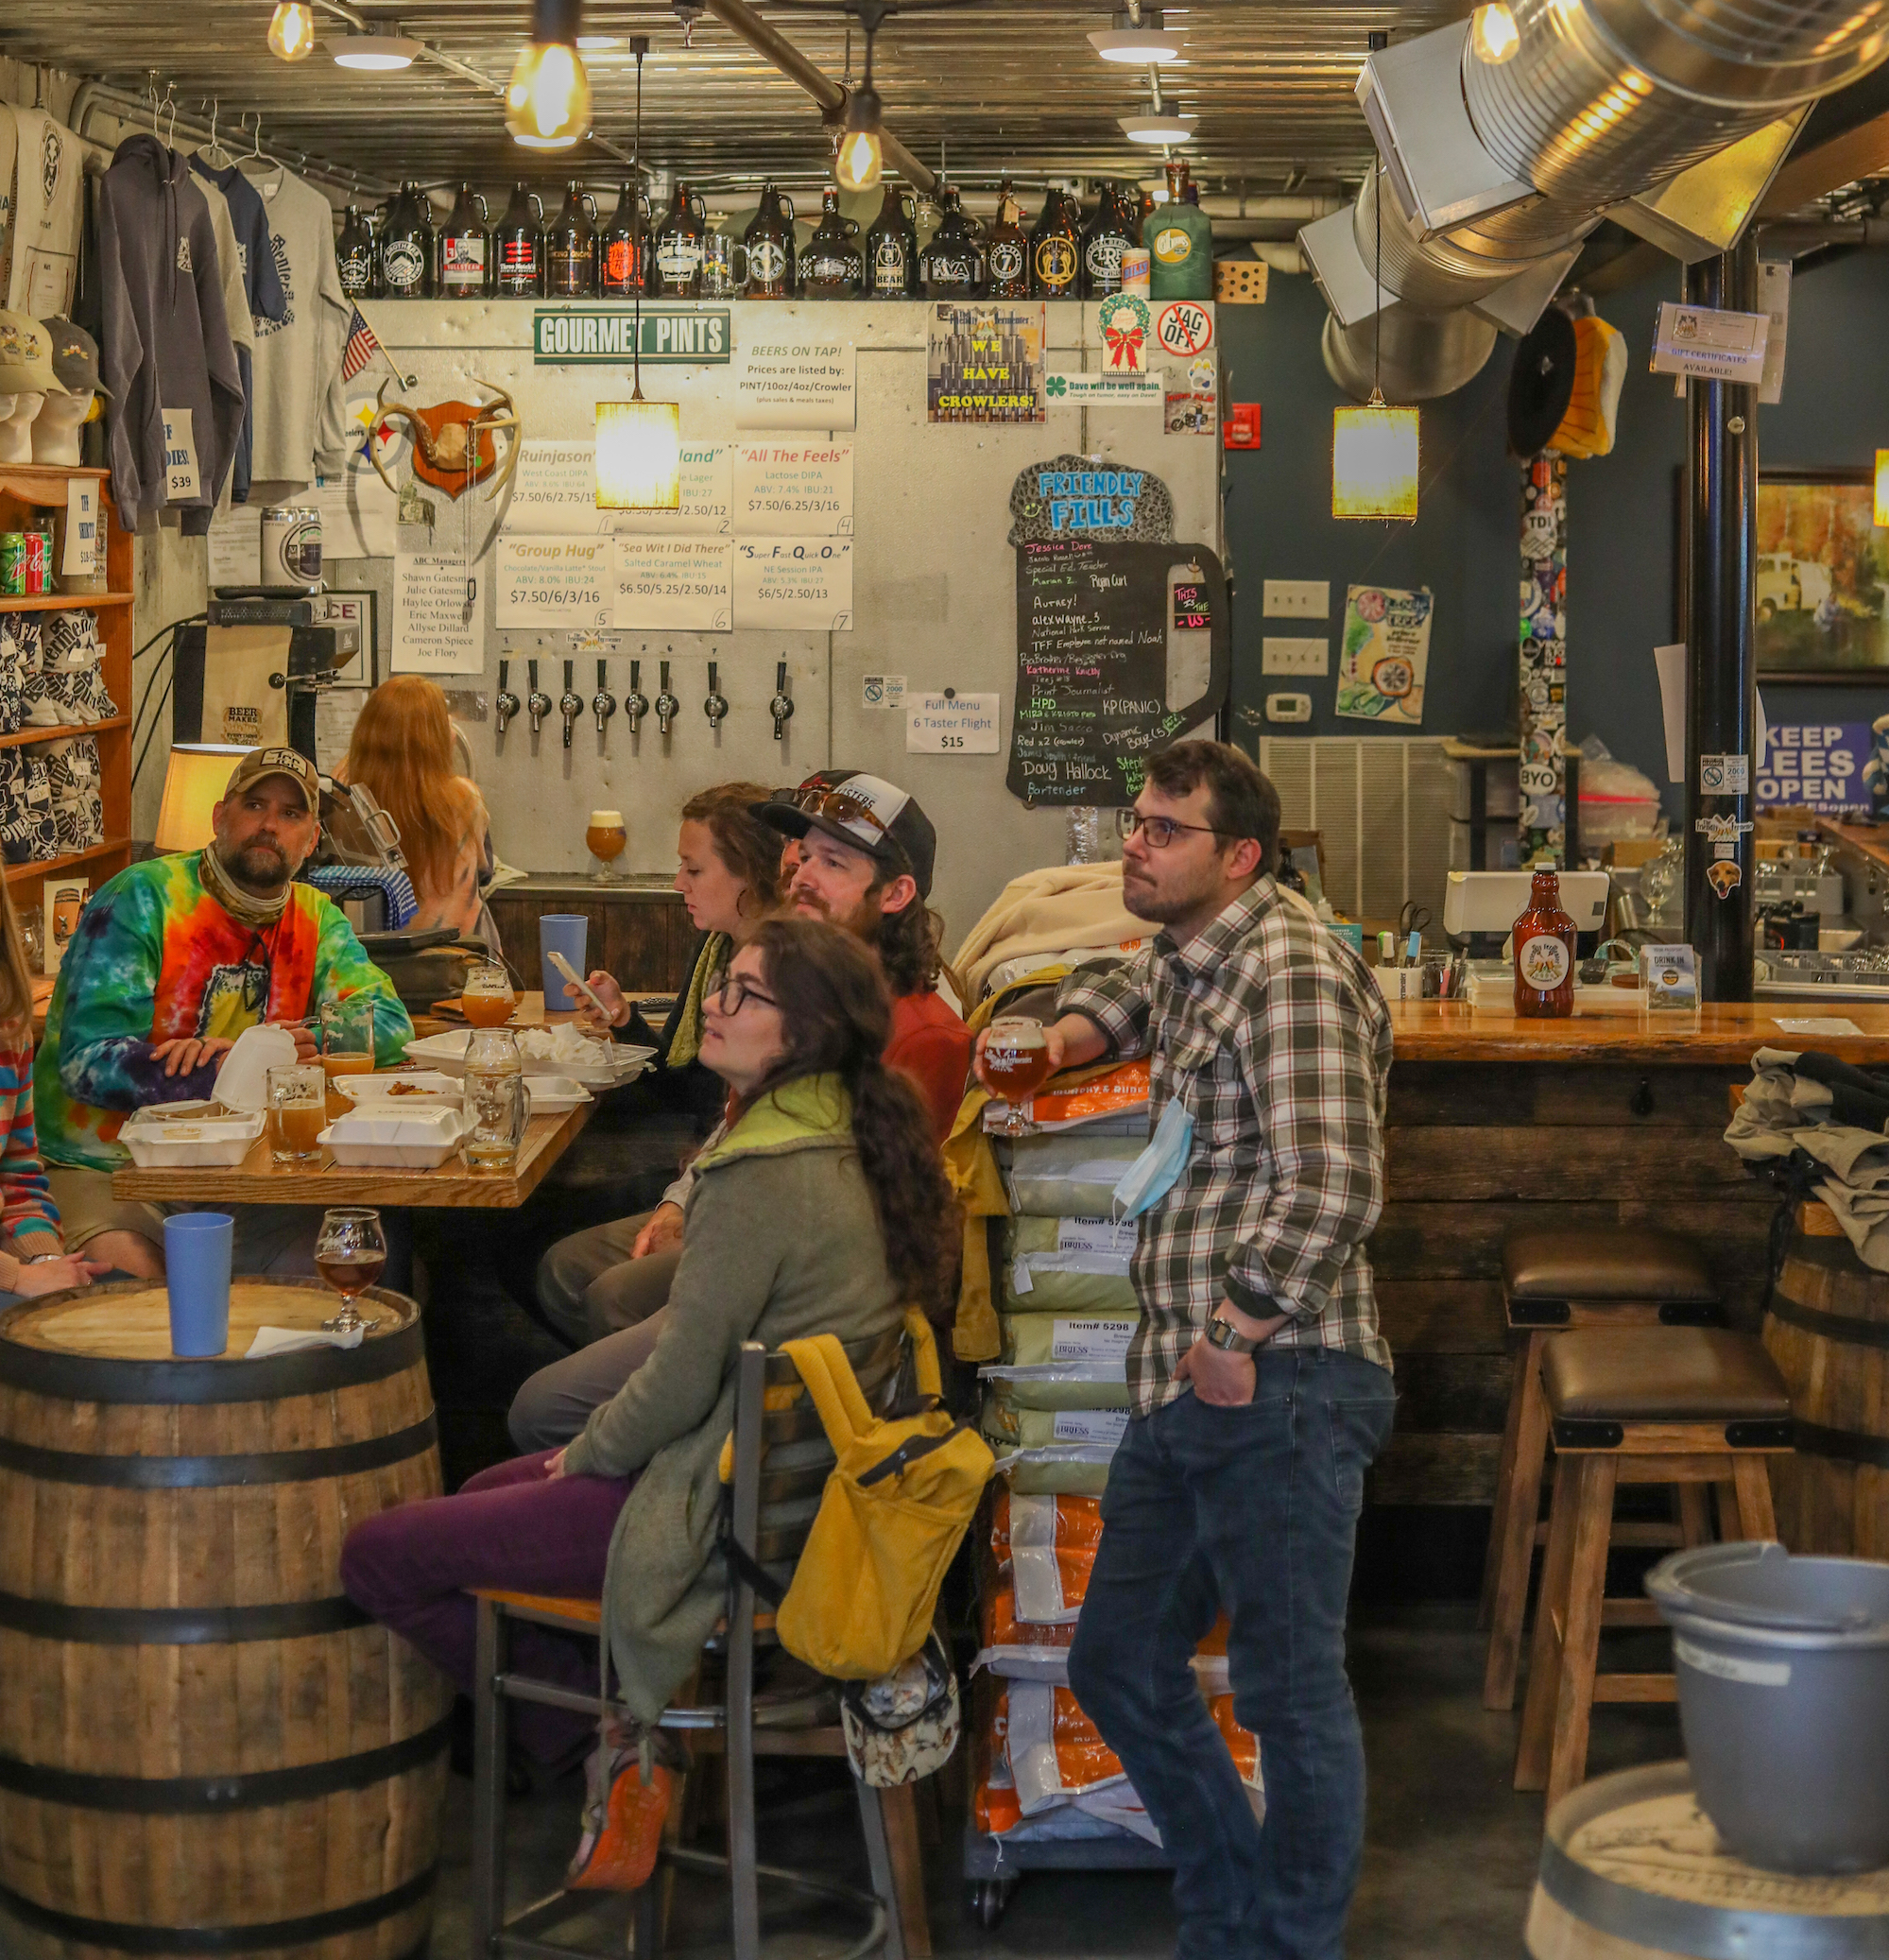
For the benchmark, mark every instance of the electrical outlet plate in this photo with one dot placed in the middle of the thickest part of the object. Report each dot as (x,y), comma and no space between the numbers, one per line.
(1298,598)
(1288,707)
(1285,656)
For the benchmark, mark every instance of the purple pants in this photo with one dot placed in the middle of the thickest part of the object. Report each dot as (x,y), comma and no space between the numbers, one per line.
(511,1528)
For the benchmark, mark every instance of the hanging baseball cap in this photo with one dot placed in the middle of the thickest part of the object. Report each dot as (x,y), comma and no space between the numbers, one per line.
(26,357)
(903,1725)
(864,812)
(276,761)
(75,355)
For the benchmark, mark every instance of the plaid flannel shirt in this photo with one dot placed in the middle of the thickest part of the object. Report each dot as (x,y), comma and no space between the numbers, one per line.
(1270,1030)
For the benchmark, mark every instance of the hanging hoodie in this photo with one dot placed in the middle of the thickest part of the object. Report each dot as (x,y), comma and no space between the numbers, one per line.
(48,194)
(264,303)
(300,398)
(165,349)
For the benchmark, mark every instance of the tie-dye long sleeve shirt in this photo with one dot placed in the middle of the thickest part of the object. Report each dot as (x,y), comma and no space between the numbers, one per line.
(155,959)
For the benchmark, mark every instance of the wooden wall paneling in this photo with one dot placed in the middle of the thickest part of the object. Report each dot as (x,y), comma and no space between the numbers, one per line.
(1470,1094)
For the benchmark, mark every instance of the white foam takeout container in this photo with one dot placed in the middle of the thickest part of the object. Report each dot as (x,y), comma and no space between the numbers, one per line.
(173,1136)
(555,1096)
(622,1064)
(419,1139)
(418,1086)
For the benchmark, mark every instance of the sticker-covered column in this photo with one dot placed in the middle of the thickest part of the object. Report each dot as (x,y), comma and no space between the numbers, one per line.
(1543,648)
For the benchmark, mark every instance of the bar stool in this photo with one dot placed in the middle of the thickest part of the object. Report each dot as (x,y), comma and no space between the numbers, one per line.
(1691,1406)
(1555,1279)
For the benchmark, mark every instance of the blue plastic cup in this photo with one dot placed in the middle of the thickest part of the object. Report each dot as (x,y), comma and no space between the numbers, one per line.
(198,1247)
(566,933)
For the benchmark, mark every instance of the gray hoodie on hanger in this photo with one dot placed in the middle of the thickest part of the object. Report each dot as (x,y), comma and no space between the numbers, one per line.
(165,346)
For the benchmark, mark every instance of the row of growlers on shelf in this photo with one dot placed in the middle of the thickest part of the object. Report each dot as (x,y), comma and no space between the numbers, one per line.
(399,252)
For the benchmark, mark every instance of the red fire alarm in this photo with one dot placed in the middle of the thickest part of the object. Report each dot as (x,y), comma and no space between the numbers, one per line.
(1241,428)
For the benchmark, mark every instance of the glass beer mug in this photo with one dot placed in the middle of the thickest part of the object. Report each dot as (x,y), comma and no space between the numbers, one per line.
(1016,1064)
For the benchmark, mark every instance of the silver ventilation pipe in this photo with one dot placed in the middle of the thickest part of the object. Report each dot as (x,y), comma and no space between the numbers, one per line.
(1669,116)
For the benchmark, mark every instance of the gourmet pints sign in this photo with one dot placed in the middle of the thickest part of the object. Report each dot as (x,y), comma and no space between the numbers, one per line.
(570,336)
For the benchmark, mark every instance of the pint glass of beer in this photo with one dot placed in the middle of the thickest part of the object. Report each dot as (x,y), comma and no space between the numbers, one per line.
(1017,1063)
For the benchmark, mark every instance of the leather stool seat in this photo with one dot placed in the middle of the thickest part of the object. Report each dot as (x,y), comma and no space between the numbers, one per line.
(1631,1263)
(1661,1374)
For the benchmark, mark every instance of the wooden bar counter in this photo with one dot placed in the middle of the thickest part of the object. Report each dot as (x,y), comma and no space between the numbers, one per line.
(1590,1122)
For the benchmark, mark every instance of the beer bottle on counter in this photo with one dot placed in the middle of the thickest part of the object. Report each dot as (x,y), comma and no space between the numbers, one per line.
(623,244)
(953,262)
(406,251)
(830,267)
(769,239)
(1544,951)
(462,248)
(678,248)
(518,247)
(571,248)
(355,256)
(1110,232)
(891,250)
(1055,250)
(1007,259)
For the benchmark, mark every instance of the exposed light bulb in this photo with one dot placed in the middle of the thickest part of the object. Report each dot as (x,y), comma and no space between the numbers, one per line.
(1493,34)
(547,104)
(292,30)
(861,162)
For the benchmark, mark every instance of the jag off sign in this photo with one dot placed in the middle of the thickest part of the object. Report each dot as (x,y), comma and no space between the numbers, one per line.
(570,336)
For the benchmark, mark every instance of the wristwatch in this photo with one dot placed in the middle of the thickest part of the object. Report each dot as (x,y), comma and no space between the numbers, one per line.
(1224,1335)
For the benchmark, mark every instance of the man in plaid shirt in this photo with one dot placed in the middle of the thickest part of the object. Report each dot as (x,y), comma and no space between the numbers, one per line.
(1262,1387)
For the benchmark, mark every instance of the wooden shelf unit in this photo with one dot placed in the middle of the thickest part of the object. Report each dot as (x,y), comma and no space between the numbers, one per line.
(38,486)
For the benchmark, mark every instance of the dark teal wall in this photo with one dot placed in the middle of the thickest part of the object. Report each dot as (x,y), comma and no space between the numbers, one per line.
(1464,543)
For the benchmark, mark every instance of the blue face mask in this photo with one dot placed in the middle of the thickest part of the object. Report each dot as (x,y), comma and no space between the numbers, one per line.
(1152,1175)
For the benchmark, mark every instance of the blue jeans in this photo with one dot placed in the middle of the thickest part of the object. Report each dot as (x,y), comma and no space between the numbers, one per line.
(1253,1509)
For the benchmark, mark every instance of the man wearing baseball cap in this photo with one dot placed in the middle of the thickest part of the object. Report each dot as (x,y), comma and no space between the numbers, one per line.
(172,960)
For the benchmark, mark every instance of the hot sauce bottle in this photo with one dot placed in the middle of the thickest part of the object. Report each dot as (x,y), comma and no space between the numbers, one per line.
(1544,953)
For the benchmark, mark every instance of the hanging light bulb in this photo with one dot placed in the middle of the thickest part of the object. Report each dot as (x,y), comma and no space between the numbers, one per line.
(292,30)
(547,103)
(1493,34)
(862,153)
(1374,454)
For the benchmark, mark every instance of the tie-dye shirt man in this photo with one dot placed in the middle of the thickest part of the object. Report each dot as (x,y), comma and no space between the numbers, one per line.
(155,959)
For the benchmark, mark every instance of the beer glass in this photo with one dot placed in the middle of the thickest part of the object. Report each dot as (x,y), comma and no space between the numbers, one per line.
(485,996)
(605,838)
(298,1114)
(494,1102)
(720,280)
(1017,1064)
(350,1254)
(347,1044)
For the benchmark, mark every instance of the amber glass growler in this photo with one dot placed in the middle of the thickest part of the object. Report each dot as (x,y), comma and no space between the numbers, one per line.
(1544,953)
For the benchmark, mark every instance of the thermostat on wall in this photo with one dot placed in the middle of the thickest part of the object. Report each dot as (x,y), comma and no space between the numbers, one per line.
(1288,707)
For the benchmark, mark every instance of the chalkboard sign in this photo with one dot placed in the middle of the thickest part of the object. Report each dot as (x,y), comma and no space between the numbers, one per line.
(1092,663)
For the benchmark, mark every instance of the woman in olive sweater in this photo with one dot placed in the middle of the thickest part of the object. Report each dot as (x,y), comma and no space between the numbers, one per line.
(822,1210)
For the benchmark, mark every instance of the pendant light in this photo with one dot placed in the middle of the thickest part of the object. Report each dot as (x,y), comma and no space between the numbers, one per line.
(1136,36)
(1493,34)
(1374,449)
(639,443)
(862,154)
(547,102)
(1157,129)
(292,30)
(374,54)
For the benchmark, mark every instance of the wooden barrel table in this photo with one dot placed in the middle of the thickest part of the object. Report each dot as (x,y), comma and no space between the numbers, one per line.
(205,1748)
(1632,1869)
(1828,1329)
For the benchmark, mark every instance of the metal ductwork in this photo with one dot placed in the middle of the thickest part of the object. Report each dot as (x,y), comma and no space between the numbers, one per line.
(1669,116)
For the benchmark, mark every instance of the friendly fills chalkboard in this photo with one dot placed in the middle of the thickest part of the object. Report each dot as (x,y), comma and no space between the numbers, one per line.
(1092,636)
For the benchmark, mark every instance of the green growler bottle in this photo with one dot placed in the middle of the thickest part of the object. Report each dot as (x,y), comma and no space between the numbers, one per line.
(1180,243)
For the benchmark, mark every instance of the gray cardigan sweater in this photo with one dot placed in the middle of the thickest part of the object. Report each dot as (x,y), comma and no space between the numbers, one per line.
(780,1241)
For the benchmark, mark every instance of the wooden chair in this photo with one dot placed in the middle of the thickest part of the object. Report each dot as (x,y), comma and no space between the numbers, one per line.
(782,1458)
(1555,1280)
(1694,1407)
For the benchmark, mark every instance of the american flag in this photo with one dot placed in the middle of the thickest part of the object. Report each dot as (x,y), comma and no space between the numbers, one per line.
(362,347)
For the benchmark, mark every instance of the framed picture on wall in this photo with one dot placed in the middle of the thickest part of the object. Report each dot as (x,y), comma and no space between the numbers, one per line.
(1822,578)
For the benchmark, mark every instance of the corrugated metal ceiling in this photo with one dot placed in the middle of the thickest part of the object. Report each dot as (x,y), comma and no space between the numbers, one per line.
(989,87)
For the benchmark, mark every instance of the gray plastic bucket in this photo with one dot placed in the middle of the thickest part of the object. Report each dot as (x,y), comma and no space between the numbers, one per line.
(1783,1667)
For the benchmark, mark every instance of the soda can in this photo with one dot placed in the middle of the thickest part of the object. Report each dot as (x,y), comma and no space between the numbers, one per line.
(1137,270)
(12,564)
(33,563)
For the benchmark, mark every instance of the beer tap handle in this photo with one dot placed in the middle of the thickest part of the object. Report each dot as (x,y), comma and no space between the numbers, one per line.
(635,704)
(667,706)
(602,703)
(715,707)
(781,706)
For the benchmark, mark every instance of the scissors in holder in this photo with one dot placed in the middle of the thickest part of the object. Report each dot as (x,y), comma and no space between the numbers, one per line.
(1413,921)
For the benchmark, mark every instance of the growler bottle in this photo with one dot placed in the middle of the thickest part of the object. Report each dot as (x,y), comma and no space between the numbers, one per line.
(1008,260)
(623,244)
(891,250)
(1110,235)
(830,267)
(355,256)
(769,239)
(1544,953)
(1055,250)
(1181,244)
(462,248)
(571,248)
(406,251)
(953,262)
(678,248)
(518,247)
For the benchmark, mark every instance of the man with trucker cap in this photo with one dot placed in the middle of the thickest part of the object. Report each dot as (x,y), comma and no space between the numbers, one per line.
(170,961)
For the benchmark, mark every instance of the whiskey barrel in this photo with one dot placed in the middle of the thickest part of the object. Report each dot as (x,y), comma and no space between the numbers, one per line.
(205,1747)
(1828,1329)
(1632,1869)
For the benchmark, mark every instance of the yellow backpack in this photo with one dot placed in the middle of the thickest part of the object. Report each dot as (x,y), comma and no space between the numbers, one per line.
(896,1504)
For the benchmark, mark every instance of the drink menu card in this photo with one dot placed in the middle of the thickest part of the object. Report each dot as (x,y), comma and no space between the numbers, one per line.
(803,488)
(794,582)
(554,583)
(683,583)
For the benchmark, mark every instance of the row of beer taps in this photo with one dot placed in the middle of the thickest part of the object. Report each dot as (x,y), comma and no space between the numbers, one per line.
(538,704)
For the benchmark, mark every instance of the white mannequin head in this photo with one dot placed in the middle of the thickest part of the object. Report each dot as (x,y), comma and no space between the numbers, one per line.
(16,432)
(55,433)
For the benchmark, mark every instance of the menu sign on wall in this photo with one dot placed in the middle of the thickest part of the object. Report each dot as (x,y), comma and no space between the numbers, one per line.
(1093,631)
